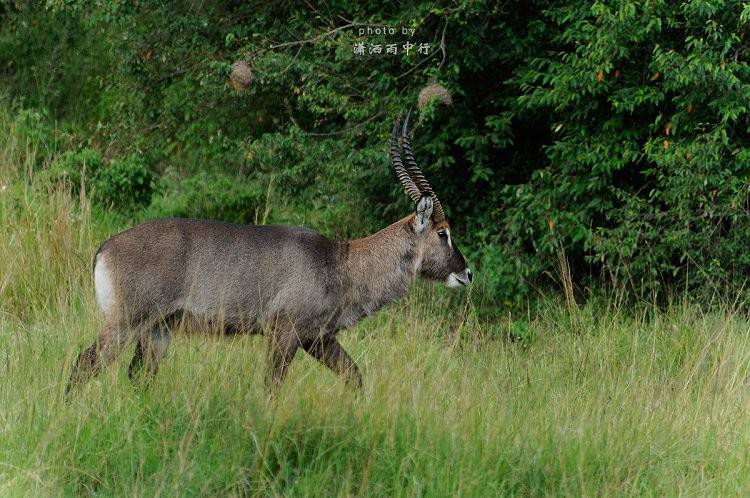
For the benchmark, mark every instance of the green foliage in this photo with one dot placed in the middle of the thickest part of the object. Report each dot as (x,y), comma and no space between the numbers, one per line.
(516,406)
(642,178)
(77,168)
(647,178)
(34,127)
(615,133)
(212,196)
(125,184)
(313,124)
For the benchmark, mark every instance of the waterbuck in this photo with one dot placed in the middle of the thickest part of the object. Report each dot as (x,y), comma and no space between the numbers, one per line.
(289,283)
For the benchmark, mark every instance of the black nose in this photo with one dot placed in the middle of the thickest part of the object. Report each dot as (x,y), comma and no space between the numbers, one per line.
(468,273)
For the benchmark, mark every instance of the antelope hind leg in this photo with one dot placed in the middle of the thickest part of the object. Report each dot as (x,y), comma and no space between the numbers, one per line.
(107,347)
(150,348)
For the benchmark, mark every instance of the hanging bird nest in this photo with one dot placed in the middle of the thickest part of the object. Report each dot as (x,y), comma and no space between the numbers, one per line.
(241,76)
(434,91)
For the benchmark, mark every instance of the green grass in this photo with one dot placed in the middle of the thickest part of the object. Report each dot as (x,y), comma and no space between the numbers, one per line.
(594,402)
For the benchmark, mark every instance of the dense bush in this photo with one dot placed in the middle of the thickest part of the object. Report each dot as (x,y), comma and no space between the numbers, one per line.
(77,168)
(648,172)
(212,196)
(614,133)
(125,184)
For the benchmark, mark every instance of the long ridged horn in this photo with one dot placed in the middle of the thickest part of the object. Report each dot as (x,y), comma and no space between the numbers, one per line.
(416,174)
(398,166)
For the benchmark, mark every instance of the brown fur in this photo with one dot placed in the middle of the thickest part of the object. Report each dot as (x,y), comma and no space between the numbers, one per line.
(290,283)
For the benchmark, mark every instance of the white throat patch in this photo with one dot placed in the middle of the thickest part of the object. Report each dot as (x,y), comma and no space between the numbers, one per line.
(453,281)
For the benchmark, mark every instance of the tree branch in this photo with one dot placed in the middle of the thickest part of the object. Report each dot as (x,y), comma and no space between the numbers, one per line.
(316,38)
(442,43)
(348,129)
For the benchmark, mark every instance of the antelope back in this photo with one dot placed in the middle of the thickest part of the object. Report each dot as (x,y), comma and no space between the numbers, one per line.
(215,271)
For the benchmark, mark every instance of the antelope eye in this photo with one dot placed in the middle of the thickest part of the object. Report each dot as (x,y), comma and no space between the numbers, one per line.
(442,234)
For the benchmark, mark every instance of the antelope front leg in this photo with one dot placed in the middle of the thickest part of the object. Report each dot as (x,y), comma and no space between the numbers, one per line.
(281,350)
(329,352)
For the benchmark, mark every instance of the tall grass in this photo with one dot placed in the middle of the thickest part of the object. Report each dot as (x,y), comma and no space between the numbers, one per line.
(602,403)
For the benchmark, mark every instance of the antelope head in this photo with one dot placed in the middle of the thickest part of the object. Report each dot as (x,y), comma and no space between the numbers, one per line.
(441,258)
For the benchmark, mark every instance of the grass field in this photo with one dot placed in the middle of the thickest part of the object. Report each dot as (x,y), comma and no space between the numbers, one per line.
(596,402)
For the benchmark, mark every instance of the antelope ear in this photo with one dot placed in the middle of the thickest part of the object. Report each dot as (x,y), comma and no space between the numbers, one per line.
(424,214)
